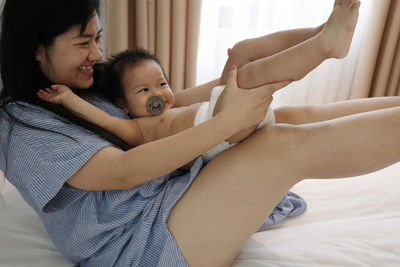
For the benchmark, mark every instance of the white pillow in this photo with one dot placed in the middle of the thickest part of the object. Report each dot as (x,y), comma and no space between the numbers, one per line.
(23,238)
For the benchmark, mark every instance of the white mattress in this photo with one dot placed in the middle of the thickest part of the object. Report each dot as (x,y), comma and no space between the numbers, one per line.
(349,222)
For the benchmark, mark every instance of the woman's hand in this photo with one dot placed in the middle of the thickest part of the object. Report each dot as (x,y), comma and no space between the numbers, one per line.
(245,108)
(56,94)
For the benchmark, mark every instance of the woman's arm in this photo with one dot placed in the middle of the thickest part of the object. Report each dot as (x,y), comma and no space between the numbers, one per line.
(112,168)
(126,129)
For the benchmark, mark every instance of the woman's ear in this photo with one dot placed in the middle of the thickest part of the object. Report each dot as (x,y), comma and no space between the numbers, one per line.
(40,54)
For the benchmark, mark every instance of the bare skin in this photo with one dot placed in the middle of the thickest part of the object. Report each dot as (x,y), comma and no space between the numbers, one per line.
(134,131)
(232,195)
(235,191)
(332,40)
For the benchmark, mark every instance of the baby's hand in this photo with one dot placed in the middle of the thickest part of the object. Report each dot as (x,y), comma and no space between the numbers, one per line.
(56,94)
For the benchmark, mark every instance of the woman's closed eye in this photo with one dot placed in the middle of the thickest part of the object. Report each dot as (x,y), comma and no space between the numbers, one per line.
(99,41)
(84,44)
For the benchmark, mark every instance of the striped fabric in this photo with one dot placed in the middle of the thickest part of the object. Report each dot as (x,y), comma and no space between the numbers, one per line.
(94,228)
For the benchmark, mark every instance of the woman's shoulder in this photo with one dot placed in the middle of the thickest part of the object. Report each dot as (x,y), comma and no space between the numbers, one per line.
(20,114)
(27,112)
(45,148)
(42,131)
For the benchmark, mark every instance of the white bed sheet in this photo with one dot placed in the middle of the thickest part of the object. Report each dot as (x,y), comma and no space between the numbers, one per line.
(349,222)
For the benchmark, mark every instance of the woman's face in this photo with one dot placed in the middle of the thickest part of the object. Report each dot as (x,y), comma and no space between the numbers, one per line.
(71,58)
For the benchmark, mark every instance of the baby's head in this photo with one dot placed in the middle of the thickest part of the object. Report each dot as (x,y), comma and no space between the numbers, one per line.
(135,76)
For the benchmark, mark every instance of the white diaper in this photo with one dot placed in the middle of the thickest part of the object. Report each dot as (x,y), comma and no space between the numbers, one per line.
(205,113)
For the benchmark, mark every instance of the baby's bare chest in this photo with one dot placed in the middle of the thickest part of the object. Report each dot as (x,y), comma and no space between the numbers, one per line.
(172,121)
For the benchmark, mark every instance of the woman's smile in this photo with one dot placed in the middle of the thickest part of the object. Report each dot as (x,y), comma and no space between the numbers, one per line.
(86,70)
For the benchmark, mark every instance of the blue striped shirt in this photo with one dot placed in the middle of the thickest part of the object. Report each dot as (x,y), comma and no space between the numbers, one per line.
(96,228)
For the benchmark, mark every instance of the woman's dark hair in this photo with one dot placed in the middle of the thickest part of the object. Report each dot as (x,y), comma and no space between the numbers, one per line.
(116,67)
(25,26)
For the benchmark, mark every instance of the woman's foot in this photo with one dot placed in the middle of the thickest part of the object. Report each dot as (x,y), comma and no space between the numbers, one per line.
(338,32)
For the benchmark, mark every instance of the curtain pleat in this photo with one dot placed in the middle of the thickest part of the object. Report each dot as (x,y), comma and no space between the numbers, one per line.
(386,76)
(117,26)
(394,81)
(192,41)
(167,28)
(164,33)
(178,48)
(364,73)
(141,25)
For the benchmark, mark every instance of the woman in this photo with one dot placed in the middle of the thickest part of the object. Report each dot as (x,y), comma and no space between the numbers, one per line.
(104,206)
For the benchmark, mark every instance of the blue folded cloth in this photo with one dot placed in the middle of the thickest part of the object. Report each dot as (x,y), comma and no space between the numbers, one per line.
(290,205)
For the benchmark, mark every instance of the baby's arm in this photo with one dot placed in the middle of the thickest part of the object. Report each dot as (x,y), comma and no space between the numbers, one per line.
(127,130)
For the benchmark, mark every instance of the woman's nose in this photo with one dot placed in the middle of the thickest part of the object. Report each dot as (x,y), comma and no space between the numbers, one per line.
(95,53)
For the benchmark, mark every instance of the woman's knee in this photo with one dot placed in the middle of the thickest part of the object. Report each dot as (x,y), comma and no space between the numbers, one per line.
(285,144)
(281,135)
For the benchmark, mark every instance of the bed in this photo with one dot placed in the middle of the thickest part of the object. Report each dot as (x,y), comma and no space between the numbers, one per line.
(349,222)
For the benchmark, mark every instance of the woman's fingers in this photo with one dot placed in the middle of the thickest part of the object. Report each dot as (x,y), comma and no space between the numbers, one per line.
(232,78)
(246,107)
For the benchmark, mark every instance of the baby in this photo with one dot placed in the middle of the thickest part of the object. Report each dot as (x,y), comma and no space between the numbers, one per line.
(143,91)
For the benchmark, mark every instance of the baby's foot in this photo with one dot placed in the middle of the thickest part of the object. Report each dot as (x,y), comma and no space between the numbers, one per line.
(339,29)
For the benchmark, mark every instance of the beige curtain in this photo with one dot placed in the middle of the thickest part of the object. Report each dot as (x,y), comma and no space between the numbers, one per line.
(378,71)
(167,28)
(116,28)
(386,80)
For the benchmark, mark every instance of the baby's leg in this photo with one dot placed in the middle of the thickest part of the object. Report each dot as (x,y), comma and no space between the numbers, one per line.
(294,63)
(252,49)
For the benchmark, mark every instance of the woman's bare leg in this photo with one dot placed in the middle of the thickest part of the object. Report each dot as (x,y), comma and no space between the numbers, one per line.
(310,114)
(233,194)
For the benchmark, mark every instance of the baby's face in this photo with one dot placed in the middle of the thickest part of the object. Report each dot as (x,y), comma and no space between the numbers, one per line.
(142,81)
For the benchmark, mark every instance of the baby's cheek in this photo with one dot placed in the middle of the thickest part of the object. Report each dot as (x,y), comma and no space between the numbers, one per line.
(141,110)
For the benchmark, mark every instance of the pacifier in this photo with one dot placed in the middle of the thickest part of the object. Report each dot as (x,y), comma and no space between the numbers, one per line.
(155,105)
